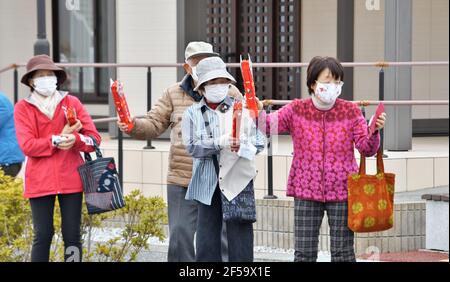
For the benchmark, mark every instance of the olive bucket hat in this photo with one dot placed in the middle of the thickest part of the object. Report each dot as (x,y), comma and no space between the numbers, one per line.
(43,62)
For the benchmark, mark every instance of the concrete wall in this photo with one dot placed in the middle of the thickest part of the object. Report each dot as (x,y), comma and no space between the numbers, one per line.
(368,46)
(147,170)
(146,33)
(318,32)
(18,33)
(430,42)
(437,225)
(275,228)
(22,15)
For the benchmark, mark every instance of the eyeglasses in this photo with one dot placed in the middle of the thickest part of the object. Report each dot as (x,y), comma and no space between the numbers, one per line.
(340,83)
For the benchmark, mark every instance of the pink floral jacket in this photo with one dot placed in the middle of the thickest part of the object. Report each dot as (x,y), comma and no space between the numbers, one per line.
(324,144)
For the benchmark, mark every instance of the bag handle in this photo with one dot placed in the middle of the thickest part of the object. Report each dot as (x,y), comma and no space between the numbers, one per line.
(380,163)
(98,153)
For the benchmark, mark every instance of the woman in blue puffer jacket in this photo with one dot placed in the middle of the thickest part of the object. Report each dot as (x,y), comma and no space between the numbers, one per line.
(11,157)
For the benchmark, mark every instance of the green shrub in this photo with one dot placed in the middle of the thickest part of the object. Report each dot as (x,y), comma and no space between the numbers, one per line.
(15,221)
(143,218)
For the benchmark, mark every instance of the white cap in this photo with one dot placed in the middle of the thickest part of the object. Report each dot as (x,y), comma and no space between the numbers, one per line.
(195,49)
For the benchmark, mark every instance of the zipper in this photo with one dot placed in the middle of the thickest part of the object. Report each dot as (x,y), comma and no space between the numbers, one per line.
(25,175)
(323,159)
(57,110)
(55,168)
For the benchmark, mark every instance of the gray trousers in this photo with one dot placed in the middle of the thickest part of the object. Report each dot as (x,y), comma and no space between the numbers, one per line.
(183,226)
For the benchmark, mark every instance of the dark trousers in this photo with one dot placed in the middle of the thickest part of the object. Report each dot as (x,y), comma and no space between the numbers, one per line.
(42,210)
(209,230)
(12,169)
(182,225)
(308,219)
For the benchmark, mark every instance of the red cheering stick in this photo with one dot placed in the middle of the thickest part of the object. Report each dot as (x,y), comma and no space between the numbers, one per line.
(249,87)
(121,104)
(237,117)
(71,115)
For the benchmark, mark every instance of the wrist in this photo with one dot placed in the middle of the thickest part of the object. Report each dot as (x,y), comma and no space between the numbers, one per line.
(77,138)
(134,126)
(222,142)
(260,105)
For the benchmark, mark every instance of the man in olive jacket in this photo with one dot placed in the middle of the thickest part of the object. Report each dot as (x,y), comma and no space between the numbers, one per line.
(168,112)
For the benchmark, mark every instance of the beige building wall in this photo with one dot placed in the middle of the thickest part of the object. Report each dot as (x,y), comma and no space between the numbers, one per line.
(18,33)
(146,33)
(430,43)
(368,46)
(318,32)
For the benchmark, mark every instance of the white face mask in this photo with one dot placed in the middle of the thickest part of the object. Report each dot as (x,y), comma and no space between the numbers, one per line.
(194,74)
(216,93)
(46,85)
(327,93)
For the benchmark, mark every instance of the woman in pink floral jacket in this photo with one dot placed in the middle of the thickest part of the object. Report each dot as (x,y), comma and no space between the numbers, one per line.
(325,130)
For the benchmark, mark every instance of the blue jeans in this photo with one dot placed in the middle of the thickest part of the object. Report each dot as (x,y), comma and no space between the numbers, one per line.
(209,230)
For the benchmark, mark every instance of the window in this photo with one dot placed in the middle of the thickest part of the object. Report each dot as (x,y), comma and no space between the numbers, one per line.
(268,30)
(82,34)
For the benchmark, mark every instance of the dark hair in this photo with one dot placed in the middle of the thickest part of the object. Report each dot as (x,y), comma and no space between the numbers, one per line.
(318,65)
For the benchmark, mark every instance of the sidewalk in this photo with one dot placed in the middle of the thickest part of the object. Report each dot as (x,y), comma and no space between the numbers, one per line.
(416,196)
(417,256)
(158,252)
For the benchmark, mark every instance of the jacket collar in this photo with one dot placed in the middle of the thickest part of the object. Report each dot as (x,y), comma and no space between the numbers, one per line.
(186,85)
(223,107)
(62,93)
(335,105)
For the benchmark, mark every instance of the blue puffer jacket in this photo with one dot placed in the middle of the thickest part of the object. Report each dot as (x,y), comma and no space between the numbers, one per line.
(10,152)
